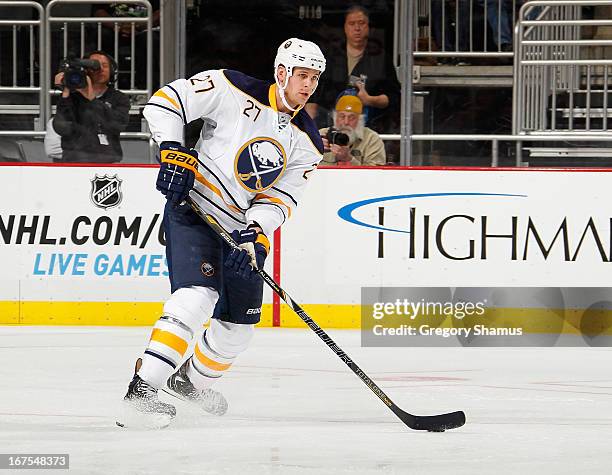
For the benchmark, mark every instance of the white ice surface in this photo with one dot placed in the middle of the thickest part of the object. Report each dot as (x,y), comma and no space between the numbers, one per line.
(296,409)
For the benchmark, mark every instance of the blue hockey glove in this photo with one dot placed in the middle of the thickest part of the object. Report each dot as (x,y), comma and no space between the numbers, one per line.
(254,248)
(176,172)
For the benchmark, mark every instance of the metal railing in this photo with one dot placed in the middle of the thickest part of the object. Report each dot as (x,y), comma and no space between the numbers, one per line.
(462,29)
(32,51)
(557,88)
(559,94)
(495,140)
(43,48)
(101,25)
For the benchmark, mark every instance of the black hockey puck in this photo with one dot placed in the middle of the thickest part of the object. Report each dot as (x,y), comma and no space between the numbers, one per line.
(436,430)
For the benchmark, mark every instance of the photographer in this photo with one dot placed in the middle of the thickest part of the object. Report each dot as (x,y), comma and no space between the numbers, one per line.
(91,113)
(349,142)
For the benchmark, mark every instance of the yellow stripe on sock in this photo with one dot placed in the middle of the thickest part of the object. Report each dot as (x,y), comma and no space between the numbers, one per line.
(169,339)
(212,364)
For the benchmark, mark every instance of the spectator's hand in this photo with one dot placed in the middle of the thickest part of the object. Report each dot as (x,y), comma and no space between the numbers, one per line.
(59,78)
(362,94)
(254,247)
(342,153)
(88,92)
(325,143)
(57,82)
(177,171)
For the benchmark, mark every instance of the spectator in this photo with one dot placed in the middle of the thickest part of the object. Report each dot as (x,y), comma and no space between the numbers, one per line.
(447,38)
(362,67)
(499,18)
(123,10)
(90,119)
(364,146)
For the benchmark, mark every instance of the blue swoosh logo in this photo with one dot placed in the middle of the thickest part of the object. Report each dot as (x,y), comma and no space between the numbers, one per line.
(346,212)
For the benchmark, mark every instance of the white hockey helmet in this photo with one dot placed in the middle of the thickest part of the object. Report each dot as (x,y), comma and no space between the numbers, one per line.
(296,53)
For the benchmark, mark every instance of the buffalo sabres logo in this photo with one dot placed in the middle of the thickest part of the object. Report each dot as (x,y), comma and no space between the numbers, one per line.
(106,191)
(207,269)
(260,163)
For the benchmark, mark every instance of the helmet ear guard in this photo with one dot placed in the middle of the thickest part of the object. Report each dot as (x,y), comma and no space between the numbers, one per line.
(296,53)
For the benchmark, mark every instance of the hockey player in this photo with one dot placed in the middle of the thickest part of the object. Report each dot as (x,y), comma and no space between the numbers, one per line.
(249,168)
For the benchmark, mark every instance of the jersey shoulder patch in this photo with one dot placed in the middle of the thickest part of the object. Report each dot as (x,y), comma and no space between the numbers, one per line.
(305,123)
(256,88)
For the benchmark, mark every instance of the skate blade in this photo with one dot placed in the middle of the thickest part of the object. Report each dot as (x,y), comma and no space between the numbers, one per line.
(131,418)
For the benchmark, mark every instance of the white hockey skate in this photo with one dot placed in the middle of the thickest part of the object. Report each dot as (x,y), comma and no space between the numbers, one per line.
(141,406)
(208,399)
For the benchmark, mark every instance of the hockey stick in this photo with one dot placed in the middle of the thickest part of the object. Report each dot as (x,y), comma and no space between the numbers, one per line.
(438,423)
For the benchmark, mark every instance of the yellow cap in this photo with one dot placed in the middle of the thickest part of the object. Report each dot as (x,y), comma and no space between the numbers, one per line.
(349,104)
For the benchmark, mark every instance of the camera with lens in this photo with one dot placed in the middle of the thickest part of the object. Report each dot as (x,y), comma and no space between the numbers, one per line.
(353,80)
(334,136)
(75,72)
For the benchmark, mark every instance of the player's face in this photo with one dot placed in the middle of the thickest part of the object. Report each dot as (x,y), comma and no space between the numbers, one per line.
(301,86)
(102,75)
(356,27)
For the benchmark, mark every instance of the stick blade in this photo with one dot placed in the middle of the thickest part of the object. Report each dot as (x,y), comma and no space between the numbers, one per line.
(438,423)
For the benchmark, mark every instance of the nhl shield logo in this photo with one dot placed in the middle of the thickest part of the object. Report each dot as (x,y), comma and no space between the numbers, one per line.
(260,163)
(106,191)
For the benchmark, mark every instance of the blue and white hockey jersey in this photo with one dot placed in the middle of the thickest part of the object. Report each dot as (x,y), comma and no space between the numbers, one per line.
(254,161)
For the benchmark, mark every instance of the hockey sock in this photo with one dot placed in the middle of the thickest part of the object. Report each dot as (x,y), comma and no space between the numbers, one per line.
(184,314)
(215,352)
(206,364)
(169,340)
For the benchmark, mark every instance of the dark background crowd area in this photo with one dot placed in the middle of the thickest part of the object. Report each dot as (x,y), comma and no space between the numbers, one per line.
(244,35)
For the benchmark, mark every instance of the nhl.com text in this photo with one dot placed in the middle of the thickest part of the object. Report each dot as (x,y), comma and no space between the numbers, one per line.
(133,245)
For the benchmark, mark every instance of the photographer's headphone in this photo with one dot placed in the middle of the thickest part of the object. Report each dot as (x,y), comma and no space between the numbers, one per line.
(114,68)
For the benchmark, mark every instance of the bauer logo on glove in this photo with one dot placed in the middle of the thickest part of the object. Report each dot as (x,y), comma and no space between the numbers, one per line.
(181,159)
